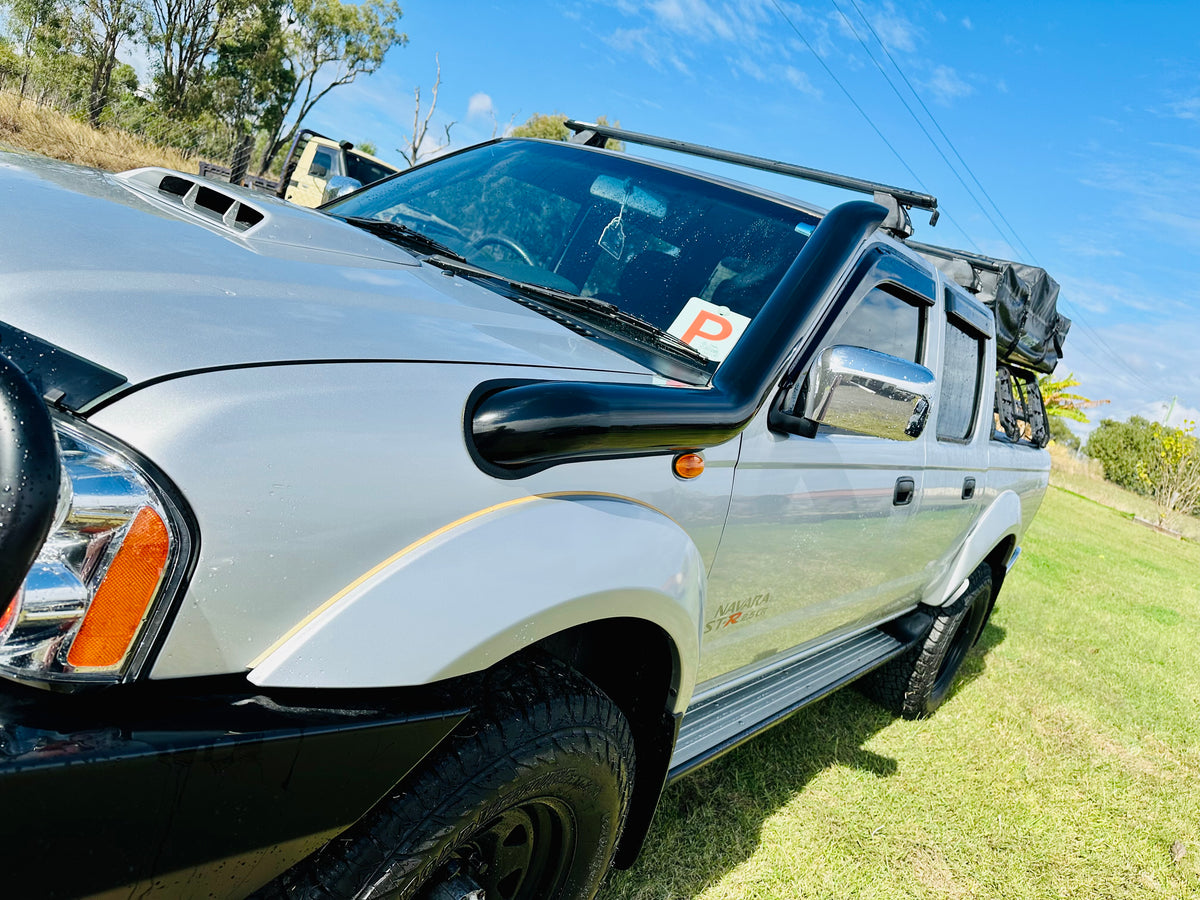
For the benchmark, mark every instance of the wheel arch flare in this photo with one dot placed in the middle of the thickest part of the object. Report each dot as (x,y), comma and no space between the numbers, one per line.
(484,587)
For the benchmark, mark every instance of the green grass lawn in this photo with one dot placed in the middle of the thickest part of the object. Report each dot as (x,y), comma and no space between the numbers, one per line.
(1065,764)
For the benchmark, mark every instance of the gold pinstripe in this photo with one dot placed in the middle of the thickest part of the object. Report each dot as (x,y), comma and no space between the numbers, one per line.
(421,541)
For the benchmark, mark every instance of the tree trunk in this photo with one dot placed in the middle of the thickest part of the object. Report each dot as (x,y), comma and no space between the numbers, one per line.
(102,79)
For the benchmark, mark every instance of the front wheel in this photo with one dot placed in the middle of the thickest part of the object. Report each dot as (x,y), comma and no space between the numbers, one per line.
(915,683)
(524,802)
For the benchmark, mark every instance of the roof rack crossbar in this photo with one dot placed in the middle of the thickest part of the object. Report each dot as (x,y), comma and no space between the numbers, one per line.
(588,132)
(988,263)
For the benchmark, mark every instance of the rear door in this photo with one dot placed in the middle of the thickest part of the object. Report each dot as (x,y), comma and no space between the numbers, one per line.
(956,466)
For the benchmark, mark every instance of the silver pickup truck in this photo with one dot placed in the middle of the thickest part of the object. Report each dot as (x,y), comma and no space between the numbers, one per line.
(408,547)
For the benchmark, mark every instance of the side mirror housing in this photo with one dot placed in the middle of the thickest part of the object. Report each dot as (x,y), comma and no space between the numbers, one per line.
(865,392)
(338,186)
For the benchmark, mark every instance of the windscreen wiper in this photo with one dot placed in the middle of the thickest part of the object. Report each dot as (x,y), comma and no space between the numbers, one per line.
(401,234)
(587,306)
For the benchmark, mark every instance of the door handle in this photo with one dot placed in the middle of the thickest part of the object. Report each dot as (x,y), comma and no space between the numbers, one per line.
(968,490)
(903,494)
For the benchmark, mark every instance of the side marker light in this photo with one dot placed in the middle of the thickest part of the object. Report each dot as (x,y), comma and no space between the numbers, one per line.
(689,465)
(121,600)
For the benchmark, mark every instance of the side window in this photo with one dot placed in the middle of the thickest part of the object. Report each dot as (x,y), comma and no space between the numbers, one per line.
(962,373)
(886,322)
(321,164)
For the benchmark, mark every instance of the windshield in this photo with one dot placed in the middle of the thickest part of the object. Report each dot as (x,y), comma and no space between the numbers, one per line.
(663,246)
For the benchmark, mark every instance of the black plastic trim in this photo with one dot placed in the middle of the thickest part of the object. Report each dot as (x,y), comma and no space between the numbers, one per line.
(912,626)
(641,811)
(51,368)
(203,788)
(977,318)
(525,428)
(879,267)
(968,488)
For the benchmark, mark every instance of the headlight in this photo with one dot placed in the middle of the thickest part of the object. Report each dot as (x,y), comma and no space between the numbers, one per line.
(99,589)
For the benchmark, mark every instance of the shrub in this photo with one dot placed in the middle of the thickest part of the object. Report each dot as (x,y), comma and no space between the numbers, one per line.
(1120,446)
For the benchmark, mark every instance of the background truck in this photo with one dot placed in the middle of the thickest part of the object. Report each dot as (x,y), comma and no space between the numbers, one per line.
(312,159)
(408,548)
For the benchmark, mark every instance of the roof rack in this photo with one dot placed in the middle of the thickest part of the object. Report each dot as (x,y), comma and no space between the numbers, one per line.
(1030,331)
(896,200)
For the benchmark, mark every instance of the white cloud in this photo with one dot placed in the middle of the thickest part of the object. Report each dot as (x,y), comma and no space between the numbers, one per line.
(895,30)
(1182,225)
(695,18)
(1153,191)
(679,34)
(480,106)
(1140,366)
(753,37)
(946,85)
(966,23)
(641,41)
(1099,296)
(1089,247)
(1188,108)
(1171,413)
(800,81)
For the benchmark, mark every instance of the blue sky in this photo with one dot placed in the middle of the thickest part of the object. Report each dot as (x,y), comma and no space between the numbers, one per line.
(1080,120)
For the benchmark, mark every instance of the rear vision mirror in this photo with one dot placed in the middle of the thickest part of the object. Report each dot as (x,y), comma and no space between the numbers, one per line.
(867,392)
(630,197)
(338,186)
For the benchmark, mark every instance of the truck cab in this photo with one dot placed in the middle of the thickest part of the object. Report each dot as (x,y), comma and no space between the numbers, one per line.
(409,546)
(318,158)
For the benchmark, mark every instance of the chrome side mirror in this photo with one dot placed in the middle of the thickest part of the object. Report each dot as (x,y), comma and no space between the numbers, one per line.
(338,186)
(868,392)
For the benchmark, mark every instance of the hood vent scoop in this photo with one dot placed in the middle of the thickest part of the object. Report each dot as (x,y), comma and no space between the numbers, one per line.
(206,200)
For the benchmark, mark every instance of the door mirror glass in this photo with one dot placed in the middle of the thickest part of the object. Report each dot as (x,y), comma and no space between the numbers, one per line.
(867,392)
(338,186)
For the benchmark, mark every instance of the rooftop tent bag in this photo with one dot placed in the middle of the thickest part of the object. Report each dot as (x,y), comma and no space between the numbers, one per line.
(1030,331)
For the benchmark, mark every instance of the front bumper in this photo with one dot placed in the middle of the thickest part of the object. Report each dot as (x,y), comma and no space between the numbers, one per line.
(203,789)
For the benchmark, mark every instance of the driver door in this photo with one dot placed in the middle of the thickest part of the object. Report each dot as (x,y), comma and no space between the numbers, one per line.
(822,537)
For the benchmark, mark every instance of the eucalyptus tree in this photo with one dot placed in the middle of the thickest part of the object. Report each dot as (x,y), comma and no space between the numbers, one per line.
(328,43)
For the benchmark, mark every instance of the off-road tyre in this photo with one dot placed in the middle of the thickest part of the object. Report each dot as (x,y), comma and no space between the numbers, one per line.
(526,800)
(915,683)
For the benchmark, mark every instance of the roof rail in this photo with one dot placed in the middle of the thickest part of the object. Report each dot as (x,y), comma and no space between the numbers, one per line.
(896,200)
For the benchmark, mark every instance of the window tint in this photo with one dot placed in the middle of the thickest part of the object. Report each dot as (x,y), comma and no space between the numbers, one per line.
(641,237)
(962,367)
(321,164)
(363,170)
(886,323)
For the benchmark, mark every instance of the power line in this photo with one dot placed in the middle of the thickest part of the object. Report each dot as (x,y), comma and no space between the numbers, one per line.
(915,117)
(1078,318)
(942,132)
(868,119)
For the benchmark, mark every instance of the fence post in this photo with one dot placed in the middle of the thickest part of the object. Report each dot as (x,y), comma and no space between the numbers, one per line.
(241,159)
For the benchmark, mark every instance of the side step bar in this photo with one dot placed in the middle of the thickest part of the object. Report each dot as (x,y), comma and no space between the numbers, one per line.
(721,722)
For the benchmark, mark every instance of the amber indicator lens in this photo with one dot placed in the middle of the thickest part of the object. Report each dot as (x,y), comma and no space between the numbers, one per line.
(120,603)
(689,465)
